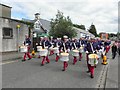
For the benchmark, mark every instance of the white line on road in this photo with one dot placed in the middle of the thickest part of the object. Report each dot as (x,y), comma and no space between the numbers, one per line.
(8,62)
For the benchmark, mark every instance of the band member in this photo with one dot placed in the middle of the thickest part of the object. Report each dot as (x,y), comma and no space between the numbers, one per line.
(65,47)
(107,46)
(74,45)
(89,50)
(52,42)
(27,42)
(81,44)
(59,44)
(45,45)
(40,44)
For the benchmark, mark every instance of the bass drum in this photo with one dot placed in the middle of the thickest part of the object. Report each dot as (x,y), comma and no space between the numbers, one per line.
(39,48)
(23,49)
(75,53)
(81,49)
(56,50)
(43,52)
(64,56)
(93,59)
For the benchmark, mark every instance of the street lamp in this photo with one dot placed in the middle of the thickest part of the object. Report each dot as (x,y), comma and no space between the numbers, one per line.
(18,28)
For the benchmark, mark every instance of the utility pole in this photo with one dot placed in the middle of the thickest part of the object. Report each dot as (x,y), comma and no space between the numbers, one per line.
(18,29)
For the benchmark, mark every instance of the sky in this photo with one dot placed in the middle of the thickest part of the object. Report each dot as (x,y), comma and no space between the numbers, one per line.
(102,13)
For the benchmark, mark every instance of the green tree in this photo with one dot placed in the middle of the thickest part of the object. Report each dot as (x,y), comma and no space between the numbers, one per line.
(93,30)
(79,26)
(61,26)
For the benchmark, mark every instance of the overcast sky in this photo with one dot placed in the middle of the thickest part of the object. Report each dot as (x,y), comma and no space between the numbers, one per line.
(102,13)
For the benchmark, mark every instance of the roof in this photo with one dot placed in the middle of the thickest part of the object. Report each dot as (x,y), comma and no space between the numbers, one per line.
(20,21)
(5,5)
(83,31)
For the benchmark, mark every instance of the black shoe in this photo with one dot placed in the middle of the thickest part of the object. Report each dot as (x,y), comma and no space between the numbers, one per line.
(92,76)
(88,71)
(23,60)
(63,70)
(29,58)
(42,64)
(47,62)
(95,66)
(113,58)
(79,59)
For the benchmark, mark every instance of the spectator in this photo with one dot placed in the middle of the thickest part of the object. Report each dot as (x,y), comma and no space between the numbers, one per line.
(119,48)
(114,50)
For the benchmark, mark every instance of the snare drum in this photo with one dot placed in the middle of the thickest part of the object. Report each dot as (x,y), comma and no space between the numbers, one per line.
(23,49)
(39,48)
(93,59)
(64,57)
(75,53)
(56,50)
(81,49)
(43,52)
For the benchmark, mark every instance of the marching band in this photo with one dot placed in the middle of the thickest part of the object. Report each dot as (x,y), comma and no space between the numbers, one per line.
(63,48)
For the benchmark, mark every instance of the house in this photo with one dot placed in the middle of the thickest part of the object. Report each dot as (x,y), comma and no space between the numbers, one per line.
(83,33)
(11,36)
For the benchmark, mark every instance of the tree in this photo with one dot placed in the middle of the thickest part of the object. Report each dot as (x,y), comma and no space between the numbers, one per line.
(79,26)
(61,26)
(118,35)
(92,30)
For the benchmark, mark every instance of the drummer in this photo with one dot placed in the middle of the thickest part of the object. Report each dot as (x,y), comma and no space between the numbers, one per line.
(59,41)
(52,42)
(74,45)
(45,45)
(56,45)
(27,43)
(40,44)
(81,44)
(90,49)
(107,46)
(65,47)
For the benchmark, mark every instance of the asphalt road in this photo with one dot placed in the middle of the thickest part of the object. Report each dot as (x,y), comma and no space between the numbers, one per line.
(29,74)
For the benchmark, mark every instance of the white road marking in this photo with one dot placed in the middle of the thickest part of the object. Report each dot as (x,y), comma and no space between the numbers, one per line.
(7,62)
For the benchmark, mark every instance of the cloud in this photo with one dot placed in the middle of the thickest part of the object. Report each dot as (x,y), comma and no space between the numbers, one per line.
(102,13)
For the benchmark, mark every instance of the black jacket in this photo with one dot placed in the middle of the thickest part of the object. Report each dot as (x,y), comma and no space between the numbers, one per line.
(114,49)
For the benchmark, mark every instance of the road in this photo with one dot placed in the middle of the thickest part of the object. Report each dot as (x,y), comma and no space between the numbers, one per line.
(29,74)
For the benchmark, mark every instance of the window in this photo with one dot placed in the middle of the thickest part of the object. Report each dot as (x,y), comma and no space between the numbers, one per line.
(7,33)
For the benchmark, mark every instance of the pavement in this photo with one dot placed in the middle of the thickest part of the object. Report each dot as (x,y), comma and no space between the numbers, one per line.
(11,55)
(29,74)
(112,73)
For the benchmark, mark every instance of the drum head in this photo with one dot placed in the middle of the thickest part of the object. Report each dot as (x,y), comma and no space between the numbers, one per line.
(64,54)
(93,56)
(75,51)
